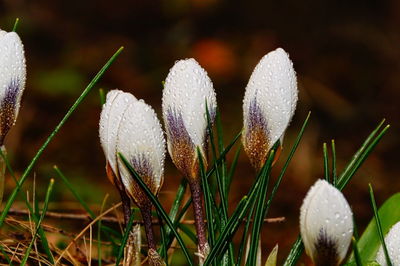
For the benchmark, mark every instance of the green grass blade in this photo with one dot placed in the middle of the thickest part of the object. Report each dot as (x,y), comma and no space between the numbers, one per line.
(188,232)
(356,156)
(99,232)
(45,206)
(173,215)
(125,237)
(259,214)
(379,225)
(232,169)
(295,252)
(73,191)
(326,162)
(158,206)
(28,170)
(244,236)
(15,25)
(102,96)
(163,239)
(5,256)
(356,252)
(334,171)
(207,201)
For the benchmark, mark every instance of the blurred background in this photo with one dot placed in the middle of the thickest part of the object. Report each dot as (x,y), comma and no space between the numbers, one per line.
(346,55)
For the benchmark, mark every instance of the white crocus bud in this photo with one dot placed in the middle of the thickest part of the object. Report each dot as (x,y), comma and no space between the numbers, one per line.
(140,139)
(12,80)
(268,105)
(186,90)
(131,127)
(326,224)
(392,241)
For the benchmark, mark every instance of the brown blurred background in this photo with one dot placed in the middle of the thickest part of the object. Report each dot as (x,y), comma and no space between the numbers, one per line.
(346,54)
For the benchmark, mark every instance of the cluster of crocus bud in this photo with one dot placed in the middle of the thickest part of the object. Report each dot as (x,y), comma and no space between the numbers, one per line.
(187,92)
(268,105)
(130,127)
(392,241)
(326,224)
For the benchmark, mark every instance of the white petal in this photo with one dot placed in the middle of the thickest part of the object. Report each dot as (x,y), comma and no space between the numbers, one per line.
(325,210)
(392,241)
(140,138)
(111,115)
(12,71)
(186,89)
(273,86)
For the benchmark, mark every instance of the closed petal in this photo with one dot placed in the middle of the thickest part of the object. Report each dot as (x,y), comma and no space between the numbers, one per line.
(187,88)
(116,104)
(326,224)
(12,79)
(141,141)
(392,241)
(269,104)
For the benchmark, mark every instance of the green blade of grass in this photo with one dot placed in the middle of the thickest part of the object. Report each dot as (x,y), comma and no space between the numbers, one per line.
(232,169)
(326,162)
(356,252)
(345,178)
(28,170)
(379,225)
(295,252)
(73,191)
(163,239)
(357,155)
(334,174)
(45,206)
(15,25)
(244,235)
(259,214)
(172,215)
(102,96)
(5,256)
(125,237)
(188,232)
(207,201)
(158,206)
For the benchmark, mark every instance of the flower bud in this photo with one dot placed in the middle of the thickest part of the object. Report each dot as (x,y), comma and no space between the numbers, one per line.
(268,105)
(186,91)
(131,127)
(392,241)
(140,139)
(326,224)
(12,80)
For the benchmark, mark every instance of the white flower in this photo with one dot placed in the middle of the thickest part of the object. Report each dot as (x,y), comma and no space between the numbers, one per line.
(186,90)
(392,241)
(268,105)
(326,224)
(12,79)
(131,127)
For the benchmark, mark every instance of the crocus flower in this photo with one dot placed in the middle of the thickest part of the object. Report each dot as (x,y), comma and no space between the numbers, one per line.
(131,127)
(326,224)
(12,80)
(392,241)
(268,105)
(187,90)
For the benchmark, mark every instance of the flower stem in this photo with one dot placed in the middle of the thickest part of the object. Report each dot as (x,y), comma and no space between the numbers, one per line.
(195,189)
